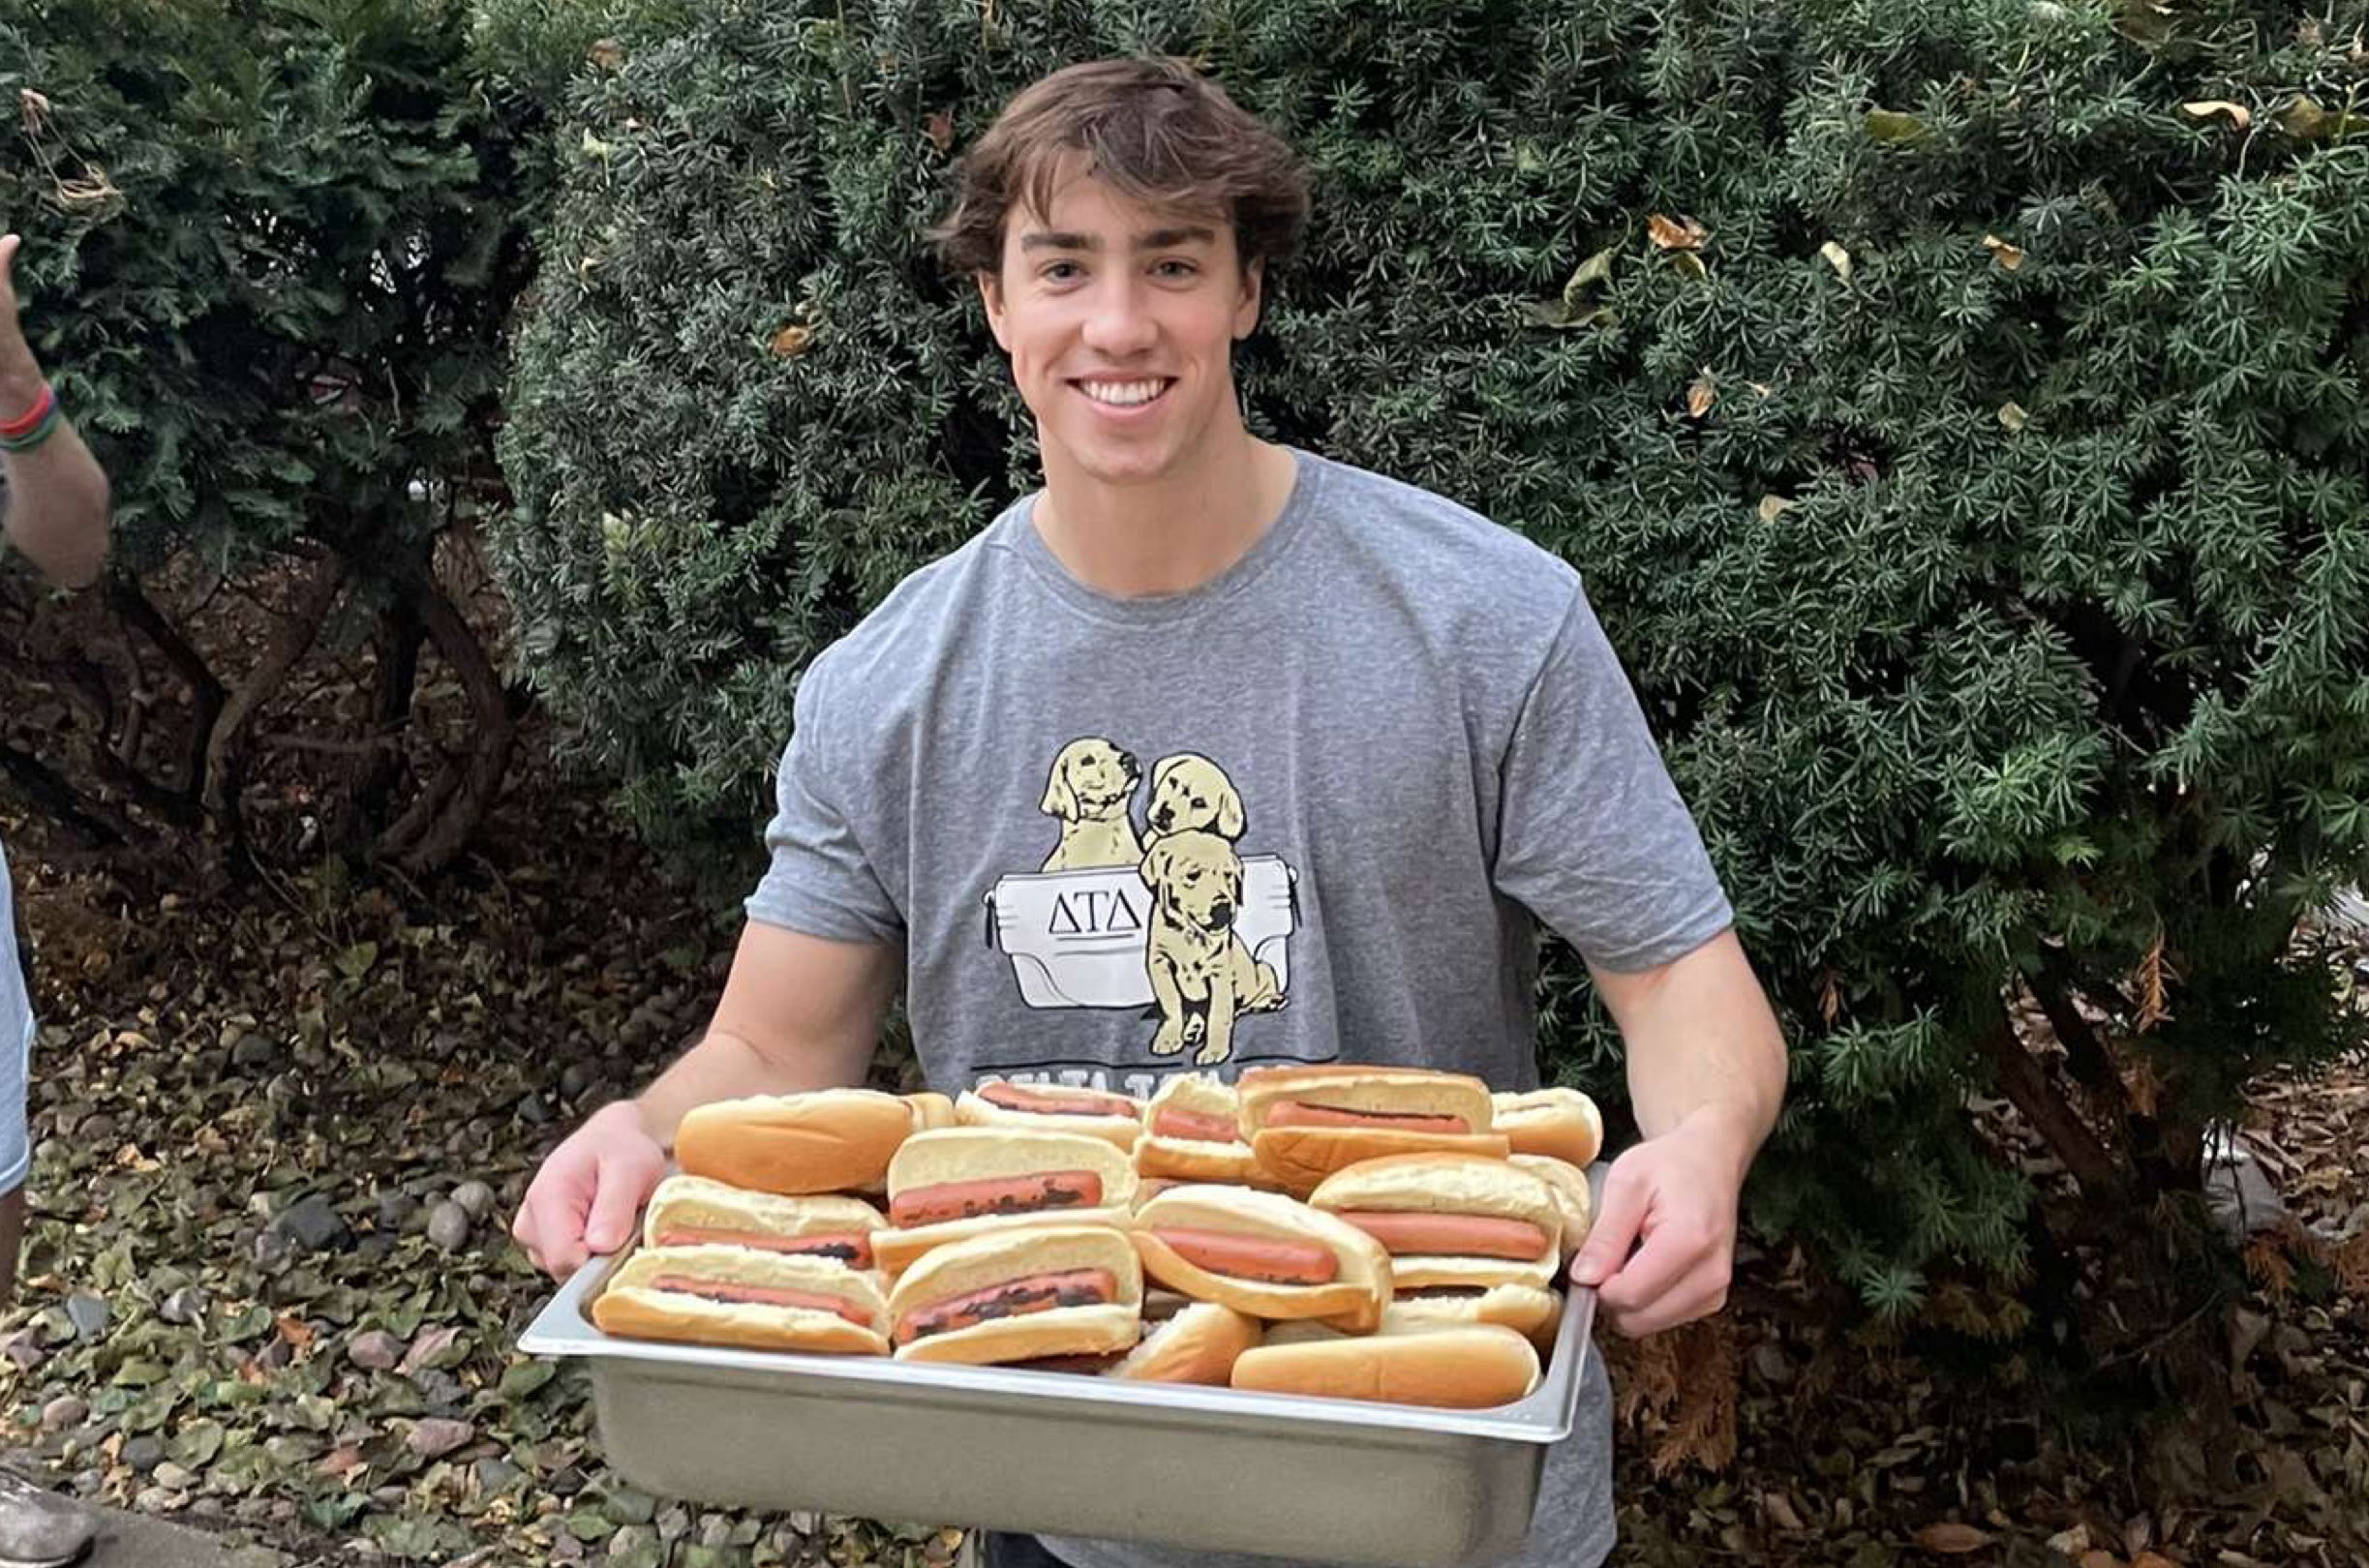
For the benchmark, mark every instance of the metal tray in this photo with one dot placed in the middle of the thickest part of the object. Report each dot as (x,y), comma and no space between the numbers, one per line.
(1064,1454)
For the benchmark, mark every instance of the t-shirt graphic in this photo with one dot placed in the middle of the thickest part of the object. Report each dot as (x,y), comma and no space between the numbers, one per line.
(1172,918)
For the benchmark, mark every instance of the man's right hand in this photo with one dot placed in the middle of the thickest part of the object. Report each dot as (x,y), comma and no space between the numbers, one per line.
(585,1198)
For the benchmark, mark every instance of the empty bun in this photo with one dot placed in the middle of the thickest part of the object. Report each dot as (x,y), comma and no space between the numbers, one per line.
(929,1110)
(984,1261)
(1357,1293)
(1563,1123)
(698,1202)
(1526,1309)
(632,1307)
(1466,1369)
(972,1109)
(973,1154)
(826,1140)
(1197,1345)
(1569,1185)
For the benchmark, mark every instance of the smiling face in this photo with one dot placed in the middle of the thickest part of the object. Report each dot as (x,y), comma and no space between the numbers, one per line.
(1121,319)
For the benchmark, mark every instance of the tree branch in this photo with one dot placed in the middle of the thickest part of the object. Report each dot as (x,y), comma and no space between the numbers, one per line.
(205,691)
(224,747)
(2029,1089)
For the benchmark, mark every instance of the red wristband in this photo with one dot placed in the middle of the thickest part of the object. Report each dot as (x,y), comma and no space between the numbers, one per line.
(23,424)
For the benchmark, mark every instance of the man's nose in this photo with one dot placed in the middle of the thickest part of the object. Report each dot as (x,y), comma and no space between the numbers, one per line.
(1120,322)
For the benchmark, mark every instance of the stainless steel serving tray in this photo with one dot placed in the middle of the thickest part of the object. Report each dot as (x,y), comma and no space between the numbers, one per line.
(1063,1454)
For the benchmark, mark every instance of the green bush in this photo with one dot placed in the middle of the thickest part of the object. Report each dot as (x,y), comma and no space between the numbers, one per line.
(1963,442)
(271,254)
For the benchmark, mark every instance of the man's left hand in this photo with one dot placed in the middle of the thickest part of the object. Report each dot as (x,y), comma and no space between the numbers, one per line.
(1673,1198)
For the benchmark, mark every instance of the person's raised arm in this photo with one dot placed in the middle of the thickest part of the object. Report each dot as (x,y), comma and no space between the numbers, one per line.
(1707,1076)
(55,508)
(798,1013)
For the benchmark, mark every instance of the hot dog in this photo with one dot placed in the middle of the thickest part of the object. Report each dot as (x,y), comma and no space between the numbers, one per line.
(1448,1220)
(1304,1124)
(1053,1107)
(1043,1290)
(826,1140)
(1262,1253)
(959,1182)
(735,1295)
(688,1210)
(1193,1132)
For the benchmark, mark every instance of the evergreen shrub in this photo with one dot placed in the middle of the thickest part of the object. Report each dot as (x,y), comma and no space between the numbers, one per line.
(1960,412)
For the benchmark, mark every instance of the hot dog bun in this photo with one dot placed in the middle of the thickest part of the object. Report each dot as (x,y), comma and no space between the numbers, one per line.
(824,1140)
(1526,1310)
(692,1210)
(929,1110)
(1416,1109)
(1569,1185)
(636,1306)
(1360,1285)
(1116,1118)
(1458,1191)
(976,1154)
(1012,1258)
(1197,1345)
(1465,1369)
(1563,1123)
(1192,1158)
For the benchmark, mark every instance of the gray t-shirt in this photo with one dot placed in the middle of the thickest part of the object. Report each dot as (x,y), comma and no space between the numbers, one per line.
(1311,810)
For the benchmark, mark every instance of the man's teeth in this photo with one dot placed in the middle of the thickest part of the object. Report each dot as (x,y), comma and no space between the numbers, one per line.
(1123,393)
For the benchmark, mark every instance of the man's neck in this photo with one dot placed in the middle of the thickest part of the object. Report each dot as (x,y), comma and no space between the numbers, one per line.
(1169,535)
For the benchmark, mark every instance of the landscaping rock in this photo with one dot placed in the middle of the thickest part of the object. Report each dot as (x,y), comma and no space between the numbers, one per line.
(449,1226)
(311,1222)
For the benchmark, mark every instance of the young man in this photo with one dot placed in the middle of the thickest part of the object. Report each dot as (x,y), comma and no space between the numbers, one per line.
(1245,756)
(53,508)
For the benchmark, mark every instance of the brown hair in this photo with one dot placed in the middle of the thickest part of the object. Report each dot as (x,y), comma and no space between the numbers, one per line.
(1156,130)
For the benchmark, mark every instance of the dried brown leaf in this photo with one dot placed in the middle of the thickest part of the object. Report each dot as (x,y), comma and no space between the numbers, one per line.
(1951,1539)
(1701,396)
(1675,234)
(2008,256)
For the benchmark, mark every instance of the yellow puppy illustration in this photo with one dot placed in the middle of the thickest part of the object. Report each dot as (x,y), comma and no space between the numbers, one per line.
(1192,793)
(1202,975)
(1092,786)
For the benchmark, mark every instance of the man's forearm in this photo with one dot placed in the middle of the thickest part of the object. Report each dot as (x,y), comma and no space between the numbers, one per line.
(57,504)
(723,1065)
(1703,1044)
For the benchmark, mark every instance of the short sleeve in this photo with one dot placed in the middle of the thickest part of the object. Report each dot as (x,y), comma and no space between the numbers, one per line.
(1592,838)
(820,880)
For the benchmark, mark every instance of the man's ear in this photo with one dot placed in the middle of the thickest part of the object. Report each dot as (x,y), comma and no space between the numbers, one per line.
(1253,293)
(991,295)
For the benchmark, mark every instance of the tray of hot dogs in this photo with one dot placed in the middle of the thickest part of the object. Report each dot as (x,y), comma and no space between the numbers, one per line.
(1314,1315)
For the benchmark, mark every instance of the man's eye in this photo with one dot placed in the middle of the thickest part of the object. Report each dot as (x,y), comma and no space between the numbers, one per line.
(1176,269)
(1060,271)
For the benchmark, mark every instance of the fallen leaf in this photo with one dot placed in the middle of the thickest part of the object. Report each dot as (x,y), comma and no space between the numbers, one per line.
(1675,234)
(1701,396)
(293,1331)
(1949,1539)
(791,340)
(2013,417)
(2007,255)
(1837,258)
(2100,1557)
(940,129)
(1771,506)
(606,54)
(2237,114)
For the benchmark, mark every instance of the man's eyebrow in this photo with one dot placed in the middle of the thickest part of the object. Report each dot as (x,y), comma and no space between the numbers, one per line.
(1157,239)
